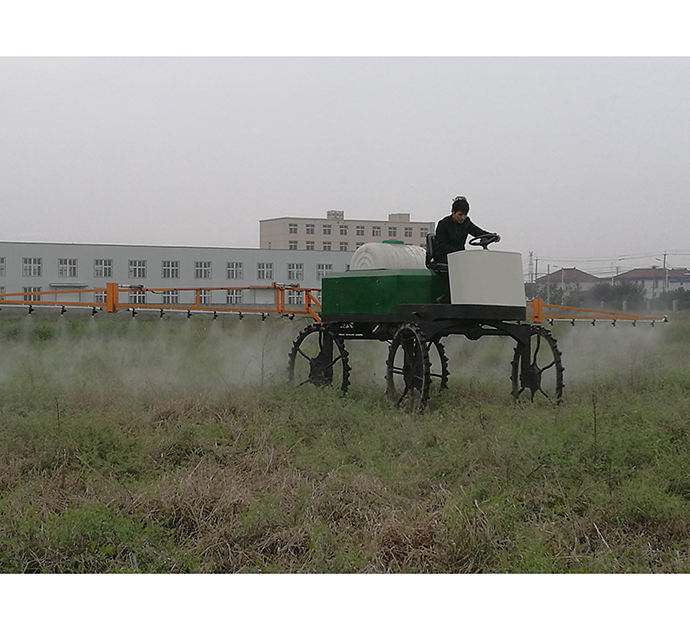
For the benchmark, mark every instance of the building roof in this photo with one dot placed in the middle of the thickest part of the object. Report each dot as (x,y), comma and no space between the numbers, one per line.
(571,275)
(652,273)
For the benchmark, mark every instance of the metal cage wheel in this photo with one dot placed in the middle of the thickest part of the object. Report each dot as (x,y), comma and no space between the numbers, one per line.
(439,364)
(318,356)
(537,367)
(408,369)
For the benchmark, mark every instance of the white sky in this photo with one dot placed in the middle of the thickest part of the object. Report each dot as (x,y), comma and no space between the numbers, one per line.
(582,160)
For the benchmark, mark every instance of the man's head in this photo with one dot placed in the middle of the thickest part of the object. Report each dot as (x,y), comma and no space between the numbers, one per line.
(460,209)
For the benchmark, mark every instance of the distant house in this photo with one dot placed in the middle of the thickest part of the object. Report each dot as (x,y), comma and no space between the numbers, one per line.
(569,279)
(656,280)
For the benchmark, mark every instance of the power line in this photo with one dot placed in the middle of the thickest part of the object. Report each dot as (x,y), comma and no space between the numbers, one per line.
(612,258)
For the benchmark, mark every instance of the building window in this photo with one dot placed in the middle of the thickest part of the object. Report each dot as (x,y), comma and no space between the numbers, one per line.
(358,245)
(310,228)
(292,228)
(322,269)
(295,271)
(31,267)
(137,269)
(99,296)
(170,269)
(295,297)
(310,246)
(264,271)
(292,244)
(234,296)
(102,268)
(327,246)
(67,267)
(326,229)
(359,230)
(202,270)
(204,297)
(343,247)
(376,230)
(2,266)
(2,290)
(392,231)
(343,230)
(171,297)
(408,232)
(32,298)
(235,271)
(423,232)
(137,297)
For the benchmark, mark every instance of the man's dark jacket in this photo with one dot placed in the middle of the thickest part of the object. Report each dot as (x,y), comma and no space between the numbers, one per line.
(451,236)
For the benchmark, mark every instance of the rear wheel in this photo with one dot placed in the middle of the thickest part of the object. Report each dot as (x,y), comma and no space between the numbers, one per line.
(318,356)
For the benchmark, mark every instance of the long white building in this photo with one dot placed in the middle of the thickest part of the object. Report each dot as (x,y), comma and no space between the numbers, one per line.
(43,267)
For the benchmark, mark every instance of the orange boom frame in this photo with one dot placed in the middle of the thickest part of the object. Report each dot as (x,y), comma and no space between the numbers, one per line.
(110,300)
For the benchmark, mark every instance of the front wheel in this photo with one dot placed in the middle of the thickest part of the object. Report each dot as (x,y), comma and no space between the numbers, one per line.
(408,369)
(537,367)
(439,365)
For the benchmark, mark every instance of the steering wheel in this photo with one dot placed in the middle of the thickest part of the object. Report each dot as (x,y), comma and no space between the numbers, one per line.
(485,240)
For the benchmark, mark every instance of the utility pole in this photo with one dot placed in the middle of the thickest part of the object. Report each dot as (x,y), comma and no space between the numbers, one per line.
(530,273)
(548,283)
(665,274)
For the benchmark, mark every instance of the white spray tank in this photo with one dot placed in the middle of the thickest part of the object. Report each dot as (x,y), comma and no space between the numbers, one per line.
(388,255)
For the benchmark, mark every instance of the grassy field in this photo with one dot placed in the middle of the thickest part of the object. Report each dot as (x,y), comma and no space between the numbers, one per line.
(174,445)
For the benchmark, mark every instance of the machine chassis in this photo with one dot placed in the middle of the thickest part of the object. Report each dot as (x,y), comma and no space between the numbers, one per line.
(416,330)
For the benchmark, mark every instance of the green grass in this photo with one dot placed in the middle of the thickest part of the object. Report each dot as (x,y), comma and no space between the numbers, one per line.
(176,446)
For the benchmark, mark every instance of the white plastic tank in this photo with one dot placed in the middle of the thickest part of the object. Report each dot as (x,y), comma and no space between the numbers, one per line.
(388,256)
(486,277)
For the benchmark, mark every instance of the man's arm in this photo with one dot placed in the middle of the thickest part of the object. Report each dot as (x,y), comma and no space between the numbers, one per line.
(475,230)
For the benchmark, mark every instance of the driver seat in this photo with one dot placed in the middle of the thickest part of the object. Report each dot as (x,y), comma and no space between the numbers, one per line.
(431,254)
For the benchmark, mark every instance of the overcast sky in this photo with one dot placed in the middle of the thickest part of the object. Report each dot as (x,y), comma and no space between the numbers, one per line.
(582,160)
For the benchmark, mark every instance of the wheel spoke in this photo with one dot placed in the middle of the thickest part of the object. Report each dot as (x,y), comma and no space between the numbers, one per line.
(332,363)
(306,356)
(536,350)
(548,367)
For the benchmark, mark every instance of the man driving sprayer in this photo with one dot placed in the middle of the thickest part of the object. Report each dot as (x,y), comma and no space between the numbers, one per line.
(452,231)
